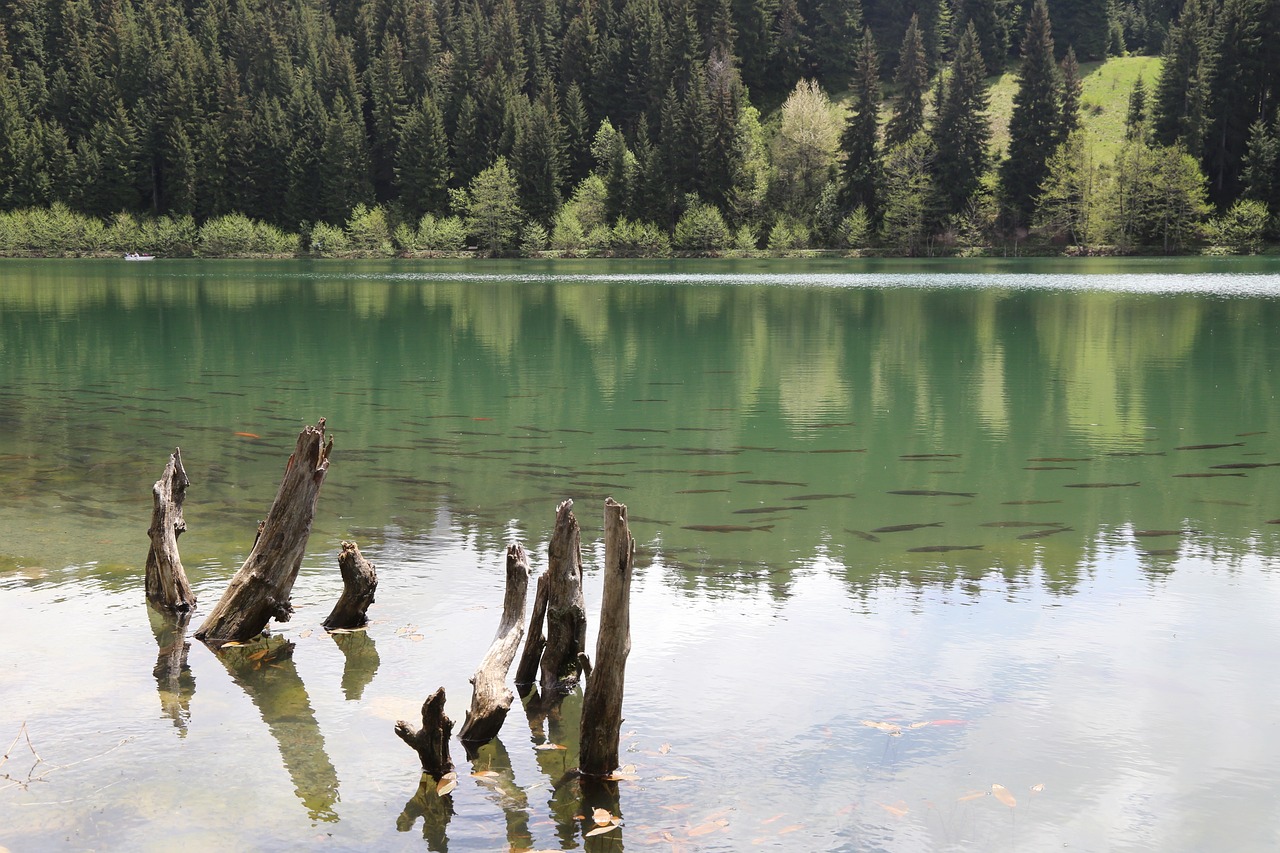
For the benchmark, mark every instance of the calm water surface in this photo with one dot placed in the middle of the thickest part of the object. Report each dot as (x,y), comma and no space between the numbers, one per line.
(1084,611)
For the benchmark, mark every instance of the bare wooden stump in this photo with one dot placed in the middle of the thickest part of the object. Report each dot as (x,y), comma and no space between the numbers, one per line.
(432,741)
(535,642)
(260,589)
(167,586)
(602,701)
(359,581)
(490,697)
(562,660)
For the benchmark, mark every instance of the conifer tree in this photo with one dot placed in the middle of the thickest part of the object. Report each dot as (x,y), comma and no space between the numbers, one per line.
(537,159)
(1136,118)
(1072,89)
(1036,123)
(988,32)
(861,172)
(960,130)
(422,160)
(790,45)
(1180,108)
(913,80)
(1261,173)
(343,165)
(838,25)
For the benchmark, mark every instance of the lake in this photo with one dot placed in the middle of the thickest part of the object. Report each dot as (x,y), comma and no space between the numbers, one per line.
(930,555)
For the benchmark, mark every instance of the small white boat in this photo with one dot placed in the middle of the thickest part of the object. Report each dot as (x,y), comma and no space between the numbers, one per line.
(134,256)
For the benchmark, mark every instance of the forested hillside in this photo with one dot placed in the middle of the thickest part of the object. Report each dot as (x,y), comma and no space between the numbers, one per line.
(628,124)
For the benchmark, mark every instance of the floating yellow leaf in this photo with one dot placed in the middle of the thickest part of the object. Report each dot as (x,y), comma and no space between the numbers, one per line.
(601,830)
(601,816)
(898,809)
(1037,788)
(542,747)
(417,638)
(259,655)
(1003,795)
(447,783)
(972,795)
(229,644)
(664,749)
(619,776)
(485,774)
(305,634)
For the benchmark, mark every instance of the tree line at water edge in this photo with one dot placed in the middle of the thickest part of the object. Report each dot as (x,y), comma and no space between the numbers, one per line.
(630,127)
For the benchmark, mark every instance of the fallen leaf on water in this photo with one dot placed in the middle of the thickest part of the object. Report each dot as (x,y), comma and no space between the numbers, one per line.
(259,655)
(670,778)
(601,830)
(898,809)
(602,817)
(542,747)
(972,795)
(795,827)
(485,774)
(778,816)
(305,634)
(417,638)
(1037,788)
(664,749)
(622,776)
(230,644)
(248,435)
(1003,795)
(447,783)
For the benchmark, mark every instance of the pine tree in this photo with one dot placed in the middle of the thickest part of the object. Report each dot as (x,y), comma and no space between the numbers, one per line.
(343,166)
(422,160)
(838,24)
(861,172)
(577,136)
(988,32)
(537,159)
(1262,158)
(1036,123)
(960,130)
(1135,119)
(1072,89)
(790,45)
(467,145)
(1180,112)
(913,81)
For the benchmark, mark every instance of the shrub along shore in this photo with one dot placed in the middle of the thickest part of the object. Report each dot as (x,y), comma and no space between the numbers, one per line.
(372,233)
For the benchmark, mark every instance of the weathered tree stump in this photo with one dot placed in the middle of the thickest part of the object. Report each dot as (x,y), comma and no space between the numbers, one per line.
(562,659)
(432,741)
(167,586)
(359,581)
(490,697)
(535,642)
(602,700)
(260,589)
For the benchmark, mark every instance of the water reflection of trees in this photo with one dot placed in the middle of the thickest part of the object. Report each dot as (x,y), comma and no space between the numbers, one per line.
(994,376)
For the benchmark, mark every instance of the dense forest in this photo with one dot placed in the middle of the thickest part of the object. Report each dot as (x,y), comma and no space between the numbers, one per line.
(629,126)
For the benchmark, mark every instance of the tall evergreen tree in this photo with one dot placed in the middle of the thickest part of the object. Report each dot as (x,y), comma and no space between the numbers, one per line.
(790,45)
(1180,108)
(960,130)
(1261,174)
(1036,123)
(422,160)
(988,31)
(838,24)
(537,159)
(1072,90)
(1135,118)
(913,80)
(860,174)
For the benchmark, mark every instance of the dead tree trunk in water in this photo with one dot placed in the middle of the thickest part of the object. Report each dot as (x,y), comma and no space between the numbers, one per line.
(260,589)
(602,702)
(490,698)
(535,642)
(359,581)
(564,658)
(167,586)
(432,741)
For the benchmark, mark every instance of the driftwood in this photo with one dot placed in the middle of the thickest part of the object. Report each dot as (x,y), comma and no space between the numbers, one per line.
(564,659)
(490,697)
(432,741)
(260,589)
(359,581)
(167,586)
(535,642)
(602,700)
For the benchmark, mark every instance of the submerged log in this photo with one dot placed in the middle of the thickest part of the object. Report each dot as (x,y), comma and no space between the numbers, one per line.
(432,741)
(167,586)
(359,582)
(490,697)
(602,701)
(563,657)
(535,642)
(260,589)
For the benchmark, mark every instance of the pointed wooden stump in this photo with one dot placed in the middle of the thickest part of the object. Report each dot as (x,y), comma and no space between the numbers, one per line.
(359,582)
(167,585)
(490,697)
(431,742)
(563,657)
(602,701)
(535,642)
(260,590)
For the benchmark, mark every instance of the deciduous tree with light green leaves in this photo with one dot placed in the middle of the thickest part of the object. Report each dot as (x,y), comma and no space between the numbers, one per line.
(490,207)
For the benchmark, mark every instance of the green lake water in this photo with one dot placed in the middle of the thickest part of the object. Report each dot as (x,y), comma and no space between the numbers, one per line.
(1084,611)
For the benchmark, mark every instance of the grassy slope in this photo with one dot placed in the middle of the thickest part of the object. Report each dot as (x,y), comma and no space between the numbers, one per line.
(1105,101)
